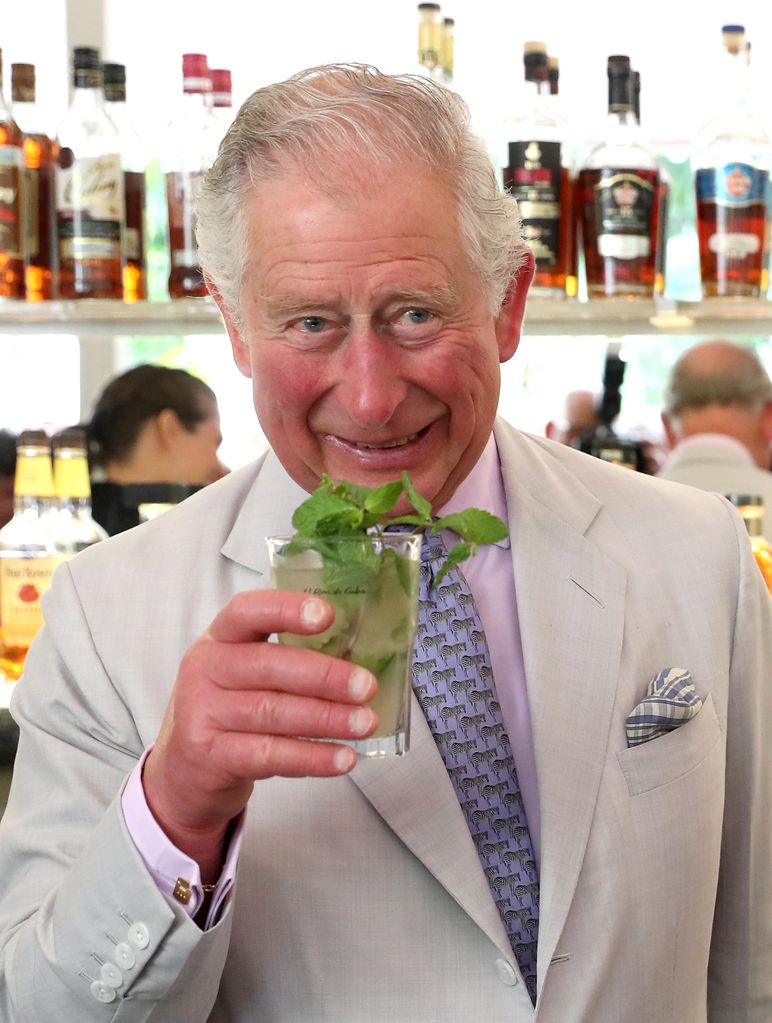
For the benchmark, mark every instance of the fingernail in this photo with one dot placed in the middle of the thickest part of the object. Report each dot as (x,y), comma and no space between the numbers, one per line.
(312,612)
(360,683)
(345,759)
(361,720)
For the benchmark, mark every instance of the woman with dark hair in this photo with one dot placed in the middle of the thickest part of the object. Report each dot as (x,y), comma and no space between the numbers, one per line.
(152,425)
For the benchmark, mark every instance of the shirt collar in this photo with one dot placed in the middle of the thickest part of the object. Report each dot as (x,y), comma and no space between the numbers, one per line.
(482,488)
(717,440)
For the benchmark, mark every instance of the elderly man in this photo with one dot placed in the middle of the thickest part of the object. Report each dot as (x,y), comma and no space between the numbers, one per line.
(372,278)
(718,421)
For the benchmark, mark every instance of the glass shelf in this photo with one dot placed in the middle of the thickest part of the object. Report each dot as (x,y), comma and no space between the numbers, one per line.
(606,317)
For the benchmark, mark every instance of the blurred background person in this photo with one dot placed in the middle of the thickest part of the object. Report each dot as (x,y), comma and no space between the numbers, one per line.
(154,431)
(580,415)
(717,416)
(7,474)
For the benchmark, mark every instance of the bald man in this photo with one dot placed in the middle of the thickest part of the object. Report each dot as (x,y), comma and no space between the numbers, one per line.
(718,421)
(580,414)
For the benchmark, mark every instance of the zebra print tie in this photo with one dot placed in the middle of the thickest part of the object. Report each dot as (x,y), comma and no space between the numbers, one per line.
(453,682)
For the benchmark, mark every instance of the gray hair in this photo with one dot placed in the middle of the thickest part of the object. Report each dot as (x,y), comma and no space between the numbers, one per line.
(322,117)
(739,380)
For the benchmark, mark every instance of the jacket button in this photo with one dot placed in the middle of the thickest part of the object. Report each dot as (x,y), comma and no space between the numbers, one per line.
(111,975)
(102,992)
(139,935)
(124,955)
(506,972)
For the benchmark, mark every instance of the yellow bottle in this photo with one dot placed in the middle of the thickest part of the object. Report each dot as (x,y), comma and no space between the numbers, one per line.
(751,507)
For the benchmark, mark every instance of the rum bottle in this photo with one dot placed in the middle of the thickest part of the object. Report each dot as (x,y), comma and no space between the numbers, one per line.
(617,200)
(133,164)
(538,176)
(751,508)
(193,138)
(76,528)
(731,156)
(89,189)
(39,213)
(28,551)
(430,41)
(222,97)
(660,252)
(11,202)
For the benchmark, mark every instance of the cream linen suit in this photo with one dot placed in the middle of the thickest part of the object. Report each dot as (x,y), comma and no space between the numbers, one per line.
(361,899)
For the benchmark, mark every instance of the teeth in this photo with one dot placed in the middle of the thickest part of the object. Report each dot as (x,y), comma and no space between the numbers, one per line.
(392,444)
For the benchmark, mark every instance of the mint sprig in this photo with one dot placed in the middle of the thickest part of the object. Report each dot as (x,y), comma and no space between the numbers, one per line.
(350,510)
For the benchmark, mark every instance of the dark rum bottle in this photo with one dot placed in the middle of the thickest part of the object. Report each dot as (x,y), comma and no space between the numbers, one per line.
(192,141)
(39,213)
(11,202)
(89,190)
(537,175)
(731,183)
(618,201)
(133,166)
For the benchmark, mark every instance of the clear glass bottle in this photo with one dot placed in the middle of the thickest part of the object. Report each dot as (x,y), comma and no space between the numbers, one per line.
(133,166)
(11,201)
(76,528)
(28,551)
(617,198)
(89,189)
(447,53)
(660,253)
(430,41)
(39,215)
(538,175)
(732,160)
(193,138)
(751,508)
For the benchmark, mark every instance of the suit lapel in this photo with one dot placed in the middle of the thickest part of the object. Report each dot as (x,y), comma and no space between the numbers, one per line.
(570,600)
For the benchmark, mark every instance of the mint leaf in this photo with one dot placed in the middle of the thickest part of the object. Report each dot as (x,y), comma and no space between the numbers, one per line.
(455,556)
(382,499)
(473,525)
(421,505)
(322,511)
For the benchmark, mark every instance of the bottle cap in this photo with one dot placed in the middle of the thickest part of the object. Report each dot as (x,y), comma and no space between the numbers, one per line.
(115,74)
(221,87)
(195,73)
(620,97)
(428,7)
(86,58)
(33,439)
(733,38)
(72,438)
(23,83)
(534,46)
(450,22)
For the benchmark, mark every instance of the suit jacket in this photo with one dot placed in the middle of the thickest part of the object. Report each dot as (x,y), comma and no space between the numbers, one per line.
(722,467)
(361,899)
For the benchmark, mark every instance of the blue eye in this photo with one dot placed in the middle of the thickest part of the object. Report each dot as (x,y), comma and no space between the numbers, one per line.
(418,315)
(313,324)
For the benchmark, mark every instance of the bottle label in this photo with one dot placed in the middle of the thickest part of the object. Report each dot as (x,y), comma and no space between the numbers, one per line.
(71,478)
(181,191)
(132,245)
(735,185)
(624,212)
(89,202)
(23,581)
(535,169)
(34,477)
(11,232)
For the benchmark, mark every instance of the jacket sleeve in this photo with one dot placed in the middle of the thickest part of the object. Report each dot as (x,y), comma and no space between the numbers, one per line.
(740,971)
(84,932)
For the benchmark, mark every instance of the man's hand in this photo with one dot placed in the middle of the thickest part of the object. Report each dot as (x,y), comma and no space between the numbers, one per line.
(237,709)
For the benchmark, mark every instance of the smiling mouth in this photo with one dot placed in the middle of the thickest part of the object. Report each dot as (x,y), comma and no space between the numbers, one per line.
(400,443)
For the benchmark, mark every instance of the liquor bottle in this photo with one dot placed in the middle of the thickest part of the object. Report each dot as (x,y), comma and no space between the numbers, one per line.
(660,253)
(538,176)
(447,51)
(731,154)
(430,41)
(133,163)
(39,213)
(751,508)
(222,97)
(553,66)
(28,551)
(11,202)
(618,200)
(89,189)
(76,529)
(193,137)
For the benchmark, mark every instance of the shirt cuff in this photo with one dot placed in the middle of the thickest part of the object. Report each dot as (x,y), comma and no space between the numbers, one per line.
(176,875)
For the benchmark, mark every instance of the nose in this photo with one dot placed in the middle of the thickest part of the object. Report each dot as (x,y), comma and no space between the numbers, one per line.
(372,385)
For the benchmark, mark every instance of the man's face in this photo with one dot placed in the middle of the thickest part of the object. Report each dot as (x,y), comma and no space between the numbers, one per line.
(368,337)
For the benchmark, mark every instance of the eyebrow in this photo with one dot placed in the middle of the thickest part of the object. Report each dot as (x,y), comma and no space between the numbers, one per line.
(291,304)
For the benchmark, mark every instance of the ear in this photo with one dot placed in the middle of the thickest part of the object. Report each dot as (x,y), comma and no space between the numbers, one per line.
(767,422)
(670,433)
(509,321)
(550,430)
(167,426)
(239,346)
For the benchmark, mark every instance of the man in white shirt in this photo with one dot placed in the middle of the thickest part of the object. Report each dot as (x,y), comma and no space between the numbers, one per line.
(718,421)
(177,849)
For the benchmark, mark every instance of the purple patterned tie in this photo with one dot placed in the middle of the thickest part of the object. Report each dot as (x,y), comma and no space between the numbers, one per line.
(453,682)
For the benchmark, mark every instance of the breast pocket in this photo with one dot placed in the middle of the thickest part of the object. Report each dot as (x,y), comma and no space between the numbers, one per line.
(669,757)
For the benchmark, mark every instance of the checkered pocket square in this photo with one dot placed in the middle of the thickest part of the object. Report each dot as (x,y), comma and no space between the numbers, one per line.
(670,700)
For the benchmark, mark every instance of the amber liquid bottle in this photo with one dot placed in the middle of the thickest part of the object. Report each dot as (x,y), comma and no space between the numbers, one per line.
(731,183)
(133,166)
(618,201)
(11,202)
(193,138)
(751,508)
(89,190)
(39,211)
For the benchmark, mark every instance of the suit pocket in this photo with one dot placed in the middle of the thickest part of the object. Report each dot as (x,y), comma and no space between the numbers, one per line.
(671,756)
